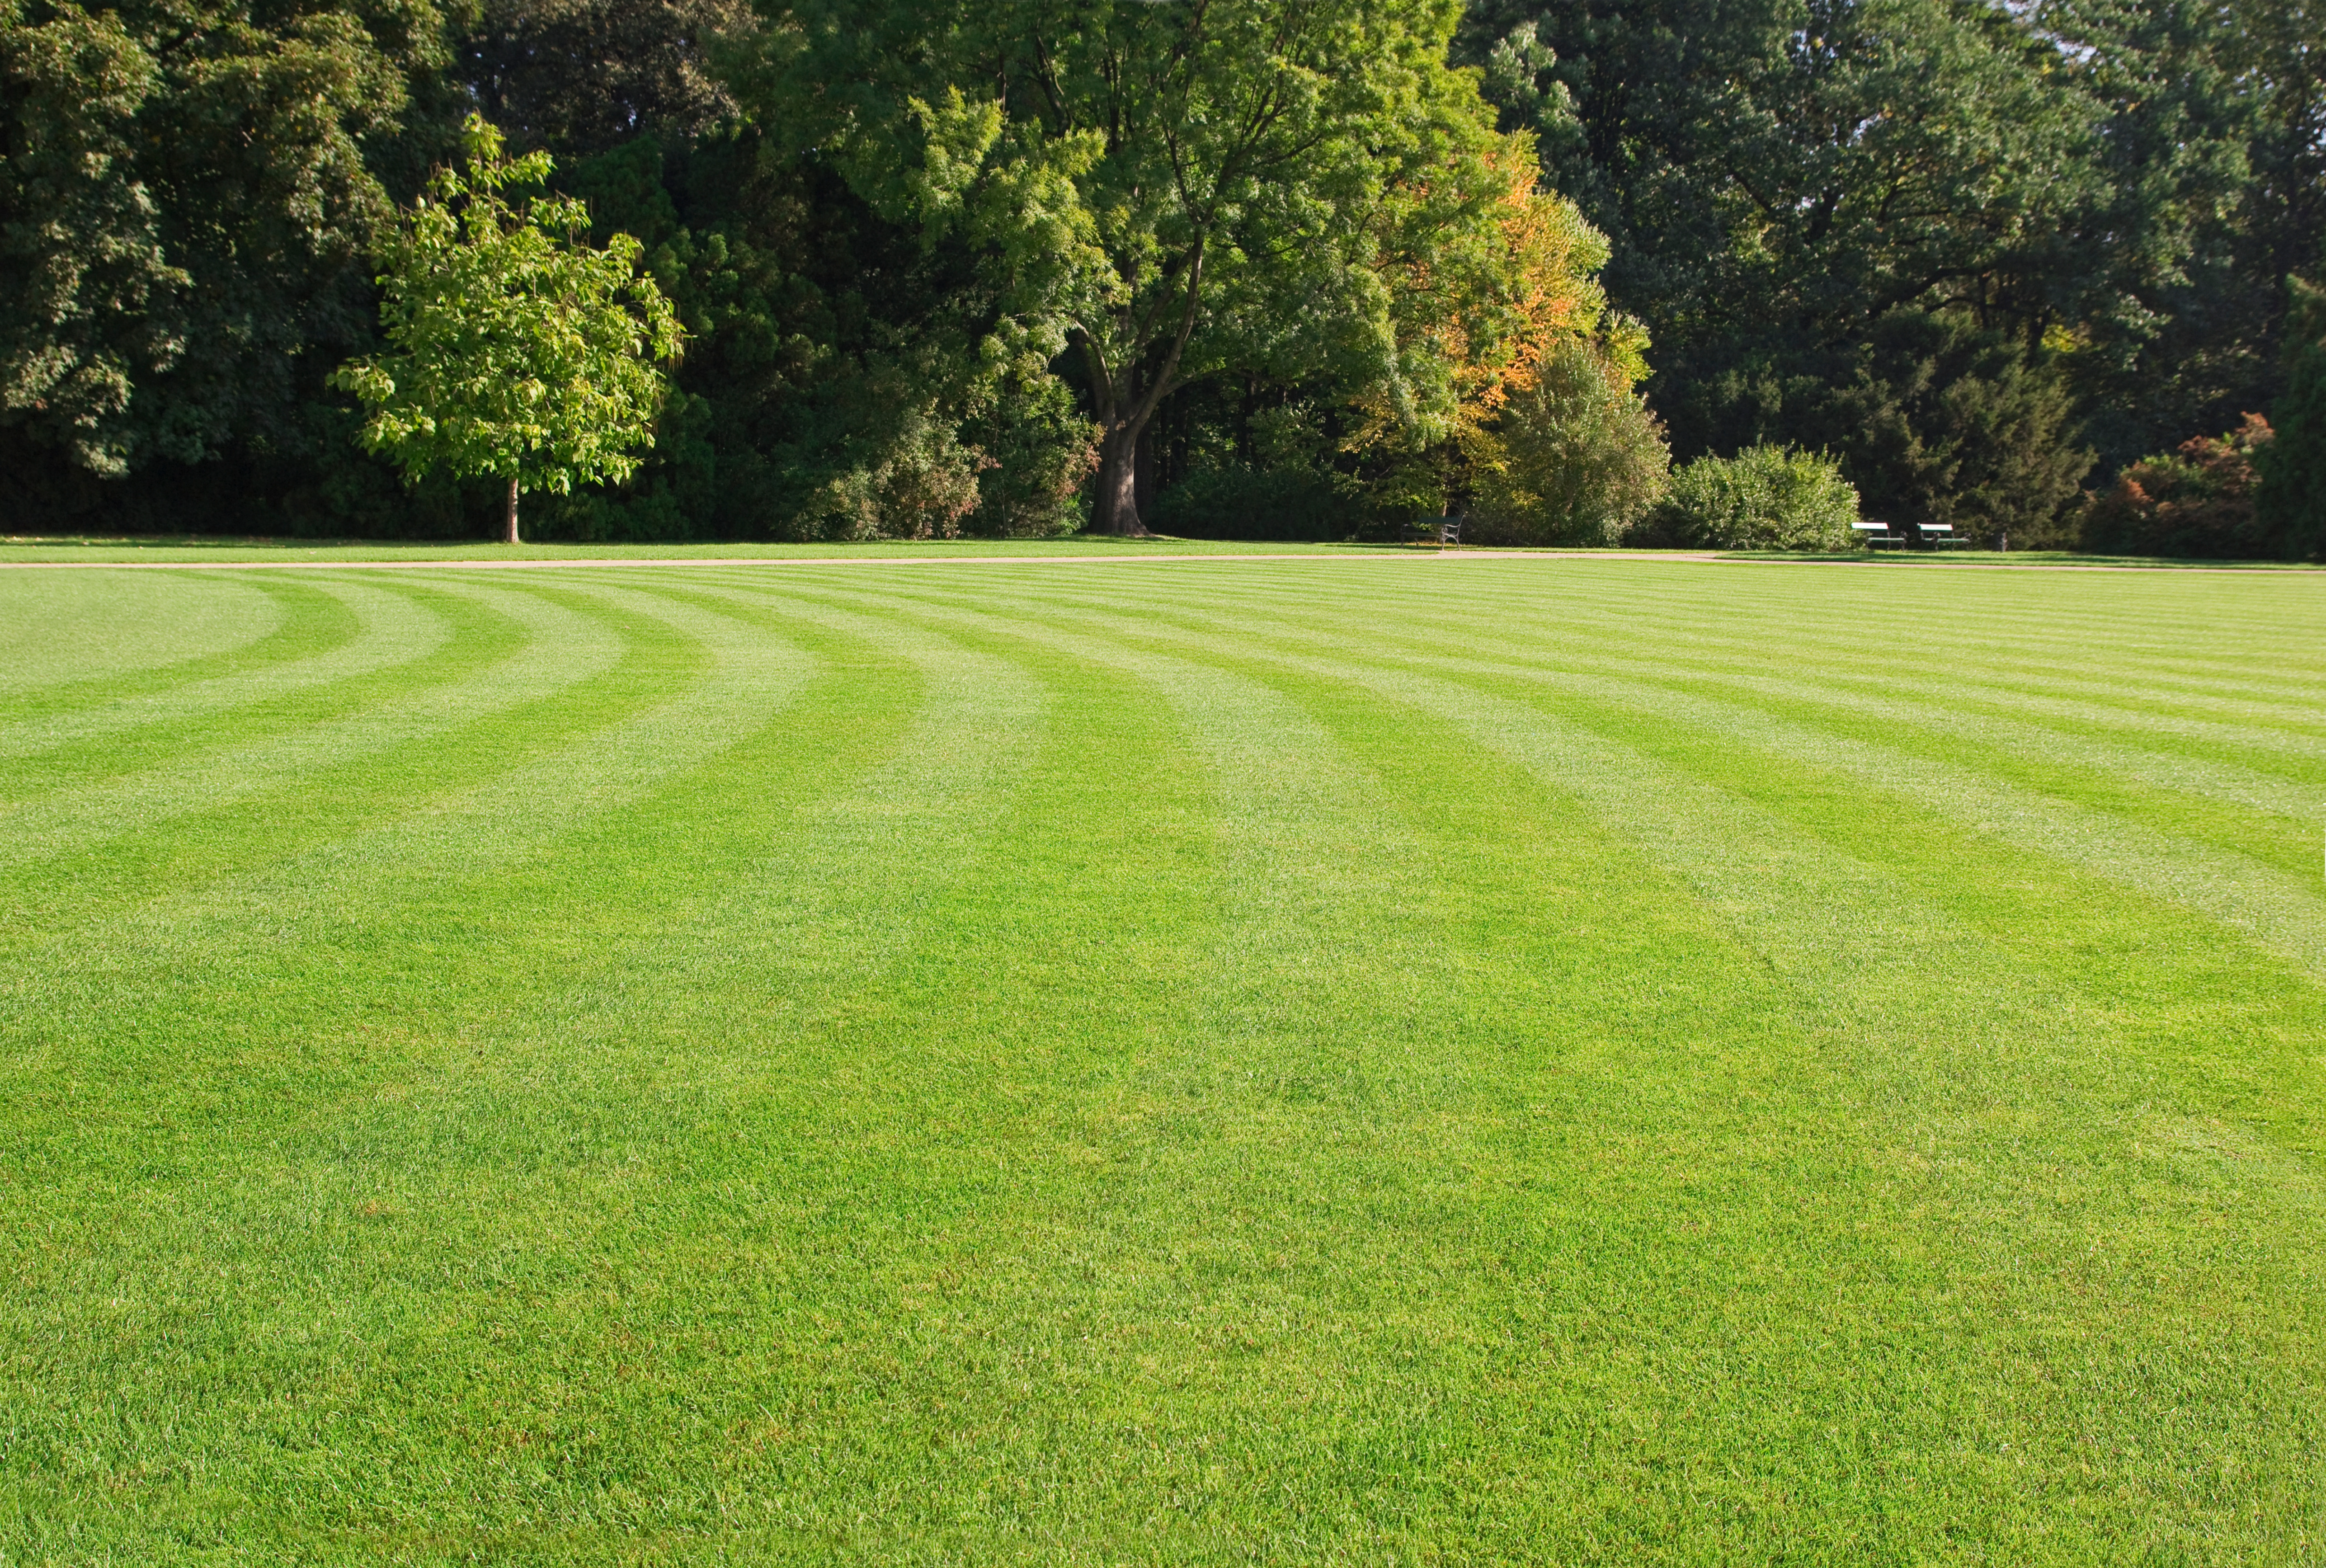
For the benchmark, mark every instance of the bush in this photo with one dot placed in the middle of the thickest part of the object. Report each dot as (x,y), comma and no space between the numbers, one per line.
(1932,419)
(2196,502)
(920,488)
(1575,459)
(1230,502)
(1764,498)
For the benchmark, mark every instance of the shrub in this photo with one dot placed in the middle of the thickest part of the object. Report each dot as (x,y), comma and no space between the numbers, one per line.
(2196,502)
(1232,502)
(1765,497)
(1575,459)
(921,488)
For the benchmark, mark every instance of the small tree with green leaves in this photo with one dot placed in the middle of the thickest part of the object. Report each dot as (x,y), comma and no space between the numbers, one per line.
(519,352)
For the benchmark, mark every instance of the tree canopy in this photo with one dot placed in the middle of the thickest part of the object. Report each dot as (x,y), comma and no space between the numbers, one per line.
(1025,265)
(1171,192)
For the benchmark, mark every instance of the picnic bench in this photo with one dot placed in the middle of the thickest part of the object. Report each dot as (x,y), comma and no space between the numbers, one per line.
(1889,536)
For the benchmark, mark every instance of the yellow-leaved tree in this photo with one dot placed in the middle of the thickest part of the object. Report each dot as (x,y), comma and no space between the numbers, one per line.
(1549,442)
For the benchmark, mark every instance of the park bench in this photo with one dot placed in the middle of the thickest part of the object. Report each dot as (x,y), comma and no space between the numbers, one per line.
(1939,536)
(1878,535)
(1449,531)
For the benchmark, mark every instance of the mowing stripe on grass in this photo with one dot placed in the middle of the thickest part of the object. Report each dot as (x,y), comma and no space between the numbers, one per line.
(1497,1062)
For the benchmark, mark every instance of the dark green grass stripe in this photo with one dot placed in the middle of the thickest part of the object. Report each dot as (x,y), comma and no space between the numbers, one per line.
(1555,605)
(1630,628)
(2277,908)
(1217,1089)
(2236,1021)
(2286,812)
(2279,918)
(431,1153)
(1735,1221)
(2266,821)
(1705,628)
(478,636)
(2112,941)
(2257,818)
(52,896)
(2272,747)
(417,929)
(1780,1228)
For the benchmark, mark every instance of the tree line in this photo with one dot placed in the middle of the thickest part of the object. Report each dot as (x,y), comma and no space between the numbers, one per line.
(1288,267)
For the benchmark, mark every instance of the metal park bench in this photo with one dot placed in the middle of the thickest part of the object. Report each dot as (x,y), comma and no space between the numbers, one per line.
(1449,531)
(1879,536)
(1940,536)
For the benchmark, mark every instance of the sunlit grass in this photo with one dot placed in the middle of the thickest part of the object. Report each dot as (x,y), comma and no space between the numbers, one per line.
(1390,1061)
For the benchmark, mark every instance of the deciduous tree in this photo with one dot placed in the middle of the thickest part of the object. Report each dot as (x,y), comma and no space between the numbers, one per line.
(182,189)
(1171,188)
(518,351)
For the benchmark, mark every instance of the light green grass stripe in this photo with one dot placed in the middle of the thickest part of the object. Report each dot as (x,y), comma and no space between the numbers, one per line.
(1851,941)
(1300,832)
(565,1114)
(393,629)
(1849,619)
(2282,913)
(1924,1101)
(374,787)
(2169,783)
(477,638)
(1924,635)
(438,1172)
(125,632)
(562,648)
(1223,1125)
(2298,799)
(902,831)
(2057,756)
(1651,709)
(234,923)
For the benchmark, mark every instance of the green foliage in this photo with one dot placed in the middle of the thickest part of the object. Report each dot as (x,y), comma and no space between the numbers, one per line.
(581,77)
(2107,193)
(1231,501)
(2291,509)
(1941,422)
(1575,459)
(1176,190)
(2197,502)
(182,188)
(830,351)
(1765,497)
(516,352)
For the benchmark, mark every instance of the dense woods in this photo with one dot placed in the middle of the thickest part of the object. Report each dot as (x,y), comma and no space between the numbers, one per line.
(1289,267)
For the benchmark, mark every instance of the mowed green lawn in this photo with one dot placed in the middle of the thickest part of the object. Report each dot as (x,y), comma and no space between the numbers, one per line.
(1368,1060)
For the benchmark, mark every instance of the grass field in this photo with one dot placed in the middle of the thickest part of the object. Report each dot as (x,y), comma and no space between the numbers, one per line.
(1370,1060)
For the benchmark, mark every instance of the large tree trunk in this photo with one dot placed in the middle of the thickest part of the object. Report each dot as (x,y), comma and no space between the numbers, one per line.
(1117,501)
(512,511)
(1127,396)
